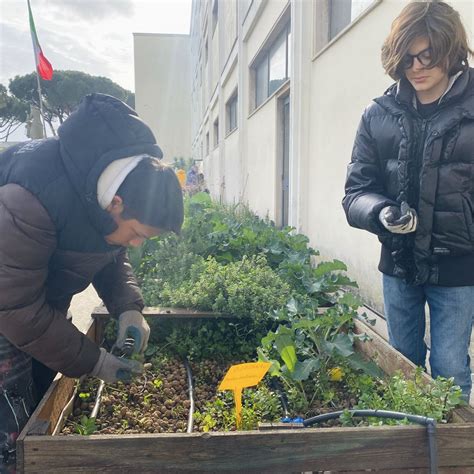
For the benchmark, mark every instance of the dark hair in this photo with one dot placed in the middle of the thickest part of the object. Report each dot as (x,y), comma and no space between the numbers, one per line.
(438,22)
(151,193)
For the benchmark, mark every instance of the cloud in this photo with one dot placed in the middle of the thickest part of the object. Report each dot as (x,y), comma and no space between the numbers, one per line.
(18,57)
(86,10)
(93,36)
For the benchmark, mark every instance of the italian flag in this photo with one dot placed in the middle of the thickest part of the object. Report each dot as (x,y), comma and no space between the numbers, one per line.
(43,66)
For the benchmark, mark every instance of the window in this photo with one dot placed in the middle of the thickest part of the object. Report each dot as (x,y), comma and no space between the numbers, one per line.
(231,108)
(273,69)
(216,133)
(207,143)
(333,16)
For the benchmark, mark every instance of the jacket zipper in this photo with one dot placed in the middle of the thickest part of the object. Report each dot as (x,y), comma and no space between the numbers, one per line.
(419,159)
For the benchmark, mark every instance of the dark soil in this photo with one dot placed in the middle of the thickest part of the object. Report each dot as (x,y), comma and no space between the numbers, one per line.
(155,402)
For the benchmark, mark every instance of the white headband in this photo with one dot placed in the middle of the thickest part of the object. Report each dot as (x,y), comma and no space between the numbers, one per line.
(113,176)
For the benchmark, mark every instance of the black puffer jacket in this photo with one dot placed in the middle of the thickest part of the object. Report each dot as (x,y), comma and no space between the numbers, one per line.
(398,155)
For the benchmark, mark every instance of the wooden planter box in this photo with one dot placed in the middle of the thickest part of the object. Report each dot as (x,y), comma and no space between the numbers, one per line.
(390,449)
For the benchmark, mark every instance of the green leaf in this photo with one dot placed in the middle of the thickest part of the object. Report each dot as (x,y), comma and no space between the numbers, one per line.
(292,306)
(287,350)
(350,300)
(343,345)
(306,324)
(304,369)
(369,367)
(326,267)
(201,198)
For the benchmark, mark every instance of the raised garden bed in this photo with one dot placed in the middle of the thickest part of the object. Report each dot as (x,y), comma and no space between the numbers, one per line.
(273,448)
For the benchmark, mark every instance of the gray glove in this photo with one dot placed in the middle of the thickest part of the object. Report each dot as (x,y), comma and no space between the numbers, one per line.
(110,368)
(133,324)
(401,220)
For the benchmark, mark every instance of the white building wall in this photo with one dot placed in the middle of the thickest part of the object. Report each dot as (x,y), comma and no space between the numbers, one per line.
(344,80)
(328,93)
(163,90)
(338,98)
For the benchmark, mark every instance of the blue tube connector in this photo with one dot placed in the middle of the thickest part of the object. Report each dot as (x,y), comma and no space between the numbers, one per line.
(288,419)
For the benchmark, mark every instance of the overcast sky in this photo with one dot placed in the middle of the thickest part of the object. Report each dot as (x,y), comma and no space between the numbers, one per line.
(93,36)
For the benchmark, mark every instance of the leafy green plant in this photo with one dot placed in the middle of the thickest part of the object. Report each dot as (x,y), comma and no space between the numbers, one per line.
(259,404)
(414,396)
(244,289)
(86,427)
(308,344)
(230,261)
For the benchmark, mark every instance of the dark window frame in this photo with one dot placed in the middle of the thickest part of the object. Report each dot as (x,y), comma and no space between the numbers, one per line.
(216,132)
(231,107)
(265,60)
(328,27)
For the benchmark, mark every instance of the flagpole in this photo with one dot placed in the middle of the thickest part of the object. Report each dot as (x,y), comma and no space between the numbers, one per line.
(41,103)
(43,67)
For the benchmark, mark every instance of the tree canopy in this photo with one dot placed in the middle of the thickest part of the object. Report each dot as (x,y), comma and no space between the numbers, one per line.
(13,112)
(60,95)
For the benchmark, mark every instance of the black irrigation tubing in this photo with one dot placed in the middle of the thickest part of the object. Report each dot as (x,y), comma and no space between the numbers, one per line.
(189,428)
(275,384)
(430,424)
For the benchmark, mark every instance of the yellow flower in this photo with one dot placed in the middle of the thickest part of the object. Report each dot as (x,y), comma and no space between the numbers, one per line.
(336,374)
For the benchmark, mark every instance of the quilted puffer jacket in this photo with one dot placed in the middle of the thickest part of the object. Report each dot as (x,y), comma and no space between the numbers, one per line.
(52,242)
(398,155)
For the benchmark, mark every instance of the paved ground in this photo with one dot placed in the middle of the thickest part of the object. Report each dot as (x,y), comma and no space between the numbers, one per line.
(82,306)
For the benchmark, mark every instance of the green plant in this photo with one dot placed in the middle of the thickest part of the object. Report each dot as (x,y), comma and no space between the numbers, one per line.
(86,427)
(308,344)
(411,395)
(259,404)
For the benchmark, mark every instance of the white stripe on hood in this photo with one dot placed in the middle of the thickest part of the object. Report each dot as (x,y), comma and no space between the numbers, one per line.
(113,176)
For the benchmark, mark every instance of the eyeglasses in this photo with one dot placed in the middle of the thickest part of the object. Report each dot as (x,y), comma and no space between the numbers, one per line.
(424,58)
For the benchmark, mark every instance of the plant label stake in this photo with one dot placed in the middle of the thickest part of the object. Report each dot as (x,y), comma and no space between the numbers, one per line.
(241,376)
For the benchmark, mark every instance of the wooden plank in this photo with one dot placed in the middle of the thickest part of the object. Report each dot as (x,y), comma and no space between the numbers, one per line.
(384,355)
(445,470)
(279,426)
(164,312)
(49,410)
(463,415)
(56,397)
(333,449)
(390,360)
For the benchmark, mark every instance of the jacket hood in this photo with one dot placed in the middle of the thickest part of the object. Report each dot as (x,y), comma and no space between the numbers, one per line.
(399,96)
(102,129)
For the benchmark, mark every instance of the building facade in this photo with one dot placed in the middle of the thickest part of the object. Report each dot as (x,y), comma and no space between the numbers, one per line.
(278,88)
(163,90)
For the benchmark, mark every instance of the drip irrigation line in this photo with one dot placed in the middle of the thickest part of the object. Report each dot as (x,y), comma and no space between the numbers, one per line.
(98,399)
(275,384)
(430,424)
(189,428)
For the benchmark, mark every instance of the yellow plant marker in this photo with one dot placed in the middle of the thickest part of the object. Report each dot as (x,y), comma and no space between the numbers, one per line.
(241,376)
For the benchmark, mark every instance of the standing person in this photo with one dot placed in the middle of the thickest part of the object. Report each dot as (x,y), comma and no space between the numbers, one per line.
(192,178)
(410,181)
(181,174)
(69,207)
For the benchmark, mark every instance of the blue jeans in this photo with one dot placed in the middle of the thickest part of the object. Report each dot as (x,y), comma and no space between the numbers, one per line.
(451,315)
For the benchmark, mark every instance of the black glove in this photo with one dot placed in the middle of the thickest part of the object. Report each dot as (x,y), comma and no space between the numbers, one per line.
(401,220)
